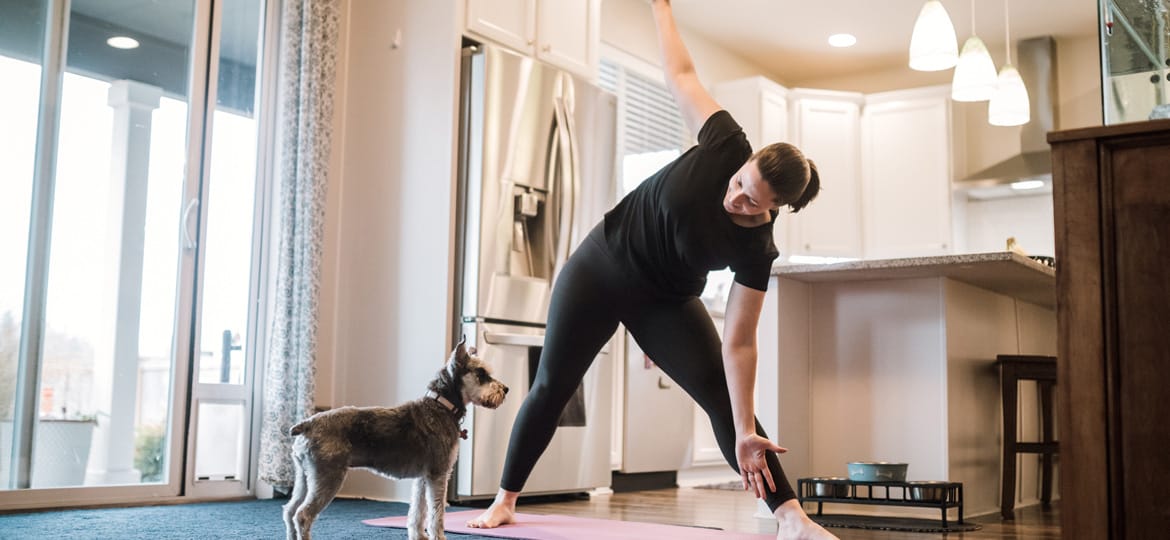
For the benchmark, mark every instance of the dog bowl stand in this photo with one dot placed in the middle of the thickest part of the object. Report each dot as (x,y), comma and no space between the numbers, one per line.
(890,494)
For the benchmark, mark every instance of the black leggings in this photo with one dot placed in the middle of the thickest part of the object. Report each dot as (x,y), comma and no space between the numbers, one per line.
(591,296)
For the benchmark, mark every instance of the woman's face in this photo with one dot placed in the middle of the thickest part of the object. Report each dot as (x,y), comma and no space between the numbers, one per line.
(747,192)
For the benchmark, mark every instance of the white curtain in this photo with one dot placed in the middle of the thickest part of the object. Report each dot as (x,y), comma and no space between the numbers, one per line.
(308,51)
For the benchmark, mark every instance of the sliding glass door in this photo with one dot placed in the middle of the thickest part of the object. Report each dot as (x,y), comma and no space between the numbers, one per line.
(130,193)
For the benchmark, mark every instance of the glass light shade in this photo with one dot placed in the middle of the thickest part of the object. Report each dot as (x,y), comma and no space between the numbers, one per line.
(975,78)
(1009,106)
(933,46)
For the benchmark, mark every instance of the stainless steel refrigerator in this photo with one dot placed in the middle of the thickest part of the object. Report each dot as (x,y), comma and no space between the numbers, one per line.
(536,173)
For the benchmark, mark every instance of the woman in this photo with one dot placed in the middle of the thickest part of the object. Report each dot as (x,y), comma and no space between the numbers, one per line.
(645,266)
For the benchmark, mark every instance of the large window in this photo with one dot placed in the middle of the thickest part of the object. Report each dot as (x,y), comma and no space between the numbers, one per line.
(129,189)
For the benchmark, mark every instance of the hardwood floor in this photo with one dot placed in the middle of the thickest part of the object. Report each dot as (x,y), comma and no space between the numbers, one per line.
(732,510)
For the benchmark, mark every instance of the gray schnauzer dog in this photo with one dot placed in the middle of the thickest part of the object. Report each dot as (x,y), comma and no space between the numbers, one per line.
(419,439)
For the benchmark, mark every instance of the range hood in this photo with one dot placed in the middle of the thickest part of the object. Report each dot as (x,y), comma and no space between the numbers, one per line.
(1037,65)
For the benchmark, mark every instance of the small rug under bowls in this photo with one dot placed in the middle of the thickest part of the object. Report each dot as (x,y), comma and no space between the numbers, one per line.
(554,527)
(885,523)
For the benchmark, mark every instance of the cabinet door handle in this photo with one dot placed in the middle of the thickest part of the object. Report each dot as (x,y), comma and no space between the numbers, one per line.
(546,48)
(531,42)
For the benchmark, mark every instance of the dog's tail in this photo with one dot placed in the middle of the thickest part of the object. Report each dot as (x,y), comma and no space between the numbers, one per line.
(300,427)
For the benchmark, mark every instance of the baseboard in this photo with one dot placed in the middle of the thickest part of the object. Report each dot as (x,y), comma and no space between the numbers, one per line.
(626,482)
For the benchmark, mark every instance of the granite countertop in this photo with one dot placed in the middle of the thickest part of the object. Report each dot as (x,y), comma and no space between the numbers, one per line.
(1004,272)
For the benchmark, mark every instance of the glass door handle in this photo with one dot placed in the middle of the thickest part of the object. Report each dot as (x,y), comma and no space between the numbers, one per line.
(188,241)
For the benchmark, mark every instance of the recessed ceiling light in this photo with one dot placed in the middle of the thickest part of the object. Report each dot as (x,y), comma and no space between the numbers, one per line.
(842,40)
(122,42)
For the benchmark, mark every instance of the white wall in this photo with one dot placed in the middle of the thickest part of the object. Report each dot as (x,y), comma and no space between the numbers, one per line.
(1029,219)
(385,310)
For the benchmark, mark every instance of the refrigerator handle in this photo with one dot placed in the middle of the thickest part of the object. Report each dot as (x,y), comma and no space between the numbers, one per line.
(569,180)
(521,340)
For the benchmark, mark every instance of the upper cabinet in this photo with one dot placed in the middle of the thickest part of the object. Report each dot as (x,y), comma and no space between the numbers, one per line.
(826,127)
(885,160)
(564,33)
(759,105)
(906,173)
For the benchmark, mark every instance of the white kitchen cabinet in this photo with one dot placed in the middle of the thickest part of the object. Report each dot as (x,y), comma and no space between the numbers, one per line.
(759,105)
(826,127)
(511,23)
(761,108)
(906,173)
(564,33)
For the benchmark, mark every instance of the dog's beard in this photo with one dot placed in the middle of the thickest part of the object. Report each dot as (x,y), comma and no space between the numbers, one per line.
(490,398)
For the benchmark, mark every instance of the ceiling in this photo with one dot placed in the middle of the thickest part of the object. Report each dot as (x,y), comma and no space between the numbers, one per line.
(173,21)
(789,38)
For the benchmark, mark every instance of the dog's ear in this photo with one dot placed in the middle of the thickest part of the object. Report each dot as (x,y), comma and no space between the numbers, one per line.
(458,357)
(460,353)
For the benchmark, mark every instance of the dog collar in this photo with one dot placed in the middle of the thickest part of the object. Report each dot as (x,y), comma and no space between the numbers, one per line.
(442,400)
(431,394)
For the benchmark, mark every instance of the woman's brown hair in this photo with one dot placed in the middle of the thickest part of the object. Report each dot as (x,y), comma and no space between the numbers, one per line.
(792,177)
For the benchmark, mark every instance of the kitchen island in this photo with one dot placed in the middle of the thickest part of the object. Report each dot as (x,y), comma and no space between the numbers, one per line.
(894,360)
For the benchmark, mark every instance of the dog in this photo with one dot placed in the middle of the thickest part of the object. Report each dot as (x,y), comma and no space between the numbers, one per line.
(418,439)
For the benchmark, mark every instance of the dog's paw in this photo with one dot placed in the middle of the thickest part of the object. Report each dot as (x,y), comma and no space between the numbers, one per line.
(417,535)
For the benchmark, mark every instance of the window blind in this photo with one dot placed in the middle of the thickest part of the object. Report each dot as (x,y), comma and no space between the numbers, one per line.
(649,120)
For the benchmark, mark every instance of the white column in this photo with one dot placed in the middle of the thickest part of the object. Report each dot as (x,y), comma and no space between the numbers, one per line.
(116,358)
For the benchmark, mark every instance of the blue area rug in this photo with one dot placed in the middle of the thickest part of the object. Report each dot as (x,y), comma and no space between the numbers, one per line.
(243,519)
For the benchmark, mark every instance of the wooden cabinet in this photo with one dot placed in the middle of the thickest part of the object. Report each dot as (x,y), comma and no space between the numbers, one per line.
(564,33)
(761,108)
(826,127)
(1111,189)
(906,173)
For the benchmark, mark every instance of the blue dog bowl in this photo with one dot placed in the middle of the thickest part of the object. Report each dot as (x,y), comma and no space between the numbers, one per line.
(877,471)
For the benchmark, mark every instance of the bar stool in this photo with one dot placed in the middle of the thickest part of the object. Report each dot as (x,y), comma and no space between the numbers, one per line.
(1012,370)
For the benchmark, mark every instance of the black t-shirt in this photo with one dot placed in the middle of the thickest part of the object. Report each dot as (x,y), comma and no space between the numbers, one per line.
(672,230)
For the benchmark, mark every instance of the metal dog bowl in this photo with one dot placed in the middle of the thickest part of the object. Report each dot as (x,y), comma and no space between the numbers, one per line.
(830,486)
(877,471)
(928,491)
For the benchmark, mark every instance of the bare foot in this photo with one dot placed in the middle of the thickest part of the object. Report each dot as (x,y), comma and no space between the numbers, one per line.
(501,512)
(794,524)
(806,529)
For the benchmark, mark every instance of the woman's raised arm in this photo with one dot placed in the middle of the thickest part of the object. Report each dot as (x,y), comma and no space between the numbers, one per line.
(695,104)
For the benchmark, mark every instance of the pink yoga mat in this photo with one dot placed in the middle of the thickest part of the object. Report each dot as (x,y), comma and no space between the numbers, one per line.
(540,527)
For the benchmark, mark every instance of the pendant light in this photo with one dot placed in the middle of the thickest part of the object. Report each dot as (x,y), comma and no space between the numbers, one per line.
(933,46)
(1009,105)
(975,78)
